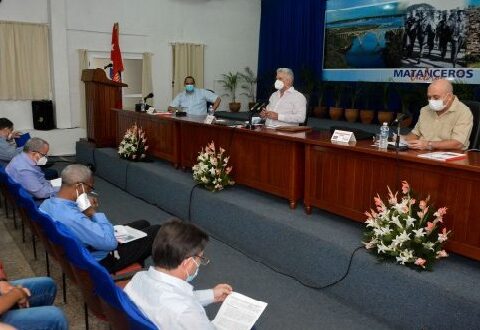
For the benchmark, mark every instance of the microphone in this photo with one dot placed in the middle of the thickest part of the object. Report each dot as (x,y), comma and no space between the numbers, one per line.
(400,117)
(108,66)
(149,96)
(255,106)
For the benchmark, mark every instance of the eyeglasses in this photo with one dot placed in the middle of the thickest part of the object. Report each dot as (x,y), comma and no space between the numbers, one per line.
(92,189)
(203,260)
(41,153)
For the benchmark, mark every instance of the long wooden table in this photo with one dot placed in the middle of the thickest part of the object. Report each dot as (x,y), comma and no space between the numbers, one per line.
(343,180)
(337,178)
(263,159)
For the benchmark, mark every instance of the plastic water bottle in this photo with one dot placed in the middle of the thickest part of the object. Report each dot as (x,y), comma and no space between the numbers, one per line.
(210,110)
(384,130)
(142,105)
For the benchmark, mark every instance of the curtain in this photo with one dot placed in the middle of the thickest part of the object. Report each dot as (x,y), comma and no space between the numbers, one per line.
(24,61)
(147,85)
(83,64)
(187,61)
(291,35)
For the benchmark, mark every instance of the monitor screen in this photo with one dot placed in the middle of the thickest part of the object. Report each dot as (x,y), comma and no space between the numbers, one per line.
(402,41)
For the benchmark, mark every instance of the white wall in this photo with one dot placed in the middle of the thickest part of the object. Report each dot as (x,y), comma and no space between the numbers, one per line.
(228,28)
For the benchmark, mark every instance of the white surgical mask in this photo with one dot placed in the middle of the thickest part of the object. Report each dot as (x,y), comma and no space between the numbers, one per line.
(42,161)
(279,84)
(191,277)
(436,105)
(82,201)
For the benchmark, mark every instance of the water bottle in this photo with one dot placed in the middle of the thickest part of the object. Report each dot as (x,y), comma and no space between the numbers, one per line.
(384,130)
(210,110)
(142,106)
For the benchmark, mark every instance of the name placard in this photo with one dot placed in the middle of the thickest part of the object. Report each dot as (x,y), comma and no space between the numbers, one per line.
(340,136)
(209,119)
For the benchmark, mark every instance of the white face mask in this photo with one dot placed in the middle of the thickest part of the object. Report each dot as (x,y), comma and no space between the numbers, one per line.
(83,202)
(436,105)
(279,84)
(42,161)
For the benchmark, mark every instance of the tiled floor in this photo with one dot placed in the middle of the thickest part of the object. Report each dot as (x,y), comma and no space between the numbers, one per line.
(19,262)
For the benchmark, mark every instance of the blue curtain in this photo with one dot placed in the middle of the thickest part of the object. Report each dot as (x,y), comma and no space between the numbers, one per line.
(291,35)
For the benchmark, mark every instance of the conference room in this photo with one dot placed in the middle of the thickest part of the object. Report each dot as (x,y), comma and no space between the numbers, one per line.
(226,164)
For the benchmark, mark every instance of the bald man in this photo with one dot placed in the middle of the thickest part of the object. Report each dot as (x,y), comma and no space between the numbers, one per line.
(445,123)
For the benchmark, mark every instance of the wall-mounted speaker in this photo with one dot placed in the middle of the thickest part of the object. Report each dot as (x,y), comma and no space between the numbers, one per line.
(42,112)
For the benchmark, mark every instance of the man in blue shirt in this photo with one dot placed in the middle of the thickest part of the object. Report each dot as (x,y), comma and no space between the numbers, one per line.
(194,100)
(74,207)
(25,169)
(8,147)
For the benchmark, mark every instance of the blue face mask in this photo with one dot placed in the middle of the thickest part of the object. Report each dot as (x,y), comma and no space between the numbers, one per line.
(192,277)
(189,88)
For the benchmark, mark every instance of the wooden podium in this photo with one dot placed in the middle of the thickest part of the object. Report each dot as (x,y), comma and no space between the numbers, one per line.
(101,95)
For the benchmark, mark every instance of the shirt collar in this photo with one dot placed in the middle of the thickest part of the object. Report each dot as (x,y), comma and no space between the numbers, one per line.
(171,280)
(59,200)
(289,90)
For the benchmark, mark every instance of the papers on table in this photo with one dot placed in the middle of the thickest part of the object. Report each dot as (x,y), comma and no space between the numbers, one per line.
(238,312)
(56,182)
(443,156)
(125,234)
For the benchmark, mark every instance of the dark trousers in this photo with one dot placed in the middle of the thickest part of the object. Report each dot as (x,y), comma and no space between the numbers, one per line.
(135,251)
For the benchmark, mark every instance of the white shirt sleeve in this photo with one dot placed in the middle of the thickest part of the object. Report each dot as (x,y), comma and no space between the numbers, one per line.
(194,319)
(176,101)
(205,297)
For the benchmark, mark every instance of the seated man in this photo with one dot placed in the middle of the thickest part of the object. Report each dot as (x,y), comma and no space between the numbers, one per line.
(25,169)
(26,304)
(193,99)
(286,106)
(446,123)
(78,211)
(8,147)
(163,292)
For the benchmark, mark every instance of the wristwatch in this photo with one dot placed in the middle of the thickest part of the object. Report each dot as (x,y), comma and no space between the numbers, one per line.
(430,145)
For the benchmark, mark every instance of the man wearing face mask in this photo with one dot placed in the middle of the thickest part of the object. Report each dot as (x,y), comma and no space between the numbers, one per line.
(446,123)
(286,106)
(193,99)
(163,293)
(24,169)
(75,207)
(8,147)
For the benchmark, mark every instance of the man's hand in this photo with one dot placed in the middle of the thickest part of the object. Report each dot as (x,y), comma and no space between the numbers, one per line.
(268,114)
(221,291)
(24,293)
(5,287)
(16,134)
(418,144)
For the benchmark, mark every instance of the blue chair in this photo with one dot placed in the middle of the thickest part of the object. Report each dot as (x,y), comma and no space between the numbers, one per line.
(101,294)
(7,198)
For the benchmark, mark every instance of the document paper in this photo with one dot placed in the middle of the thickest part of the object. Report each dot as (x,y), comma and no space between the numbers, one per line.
(238,312)
(125,234)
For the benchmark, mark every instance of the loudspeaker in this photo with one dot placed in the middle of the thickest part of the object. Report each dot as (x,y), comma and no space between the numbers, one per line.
(42,112)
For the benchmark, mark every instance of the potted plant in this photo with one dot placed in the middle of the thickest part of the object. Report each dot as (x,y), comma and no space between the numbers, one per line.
(320,110)
(250,80)
(351,114)
(336,112)
(366,114)
(229,82)
(385,116)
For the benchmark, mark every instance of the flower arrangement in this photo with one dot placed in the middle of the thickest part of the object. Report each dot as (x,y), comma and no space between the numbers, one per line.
(133,145)
(212,169)
(405,231)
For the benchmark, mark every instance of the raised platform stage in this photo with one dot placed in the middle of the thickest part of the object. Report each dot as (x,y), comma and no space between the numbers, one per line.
(315,248)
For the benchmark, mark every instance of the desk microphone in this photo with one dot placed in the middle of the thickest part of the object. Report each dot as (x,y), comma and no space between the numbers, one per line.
(400,118)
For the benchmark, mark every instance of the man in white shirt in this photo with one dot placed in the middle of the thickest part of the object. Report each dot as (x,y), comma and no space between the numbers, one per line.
(286,106)
(194,100)
(163,293)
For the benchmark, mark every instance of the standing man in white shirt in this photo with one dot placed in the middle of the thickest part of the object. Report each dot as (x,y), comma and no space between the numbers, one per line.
(286,106)
(194,99)
(163,293)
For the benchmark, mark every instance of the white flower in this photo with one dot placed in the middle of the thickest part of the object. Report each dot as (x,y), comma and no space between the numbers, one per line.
(419,233)
(409,221)
(400,239)
(428,246)
(382,248)
(396,221)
